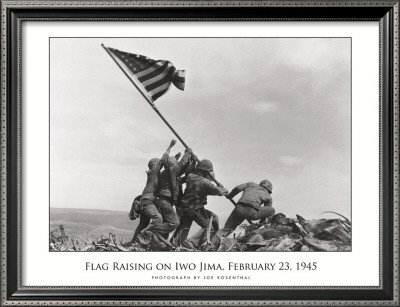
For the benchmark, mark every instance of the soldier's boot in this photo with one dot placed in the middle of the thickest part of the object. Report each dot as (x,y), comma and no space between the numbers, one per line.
(188,245)
(181,235)
(212,243)
(144,238)
(159,243)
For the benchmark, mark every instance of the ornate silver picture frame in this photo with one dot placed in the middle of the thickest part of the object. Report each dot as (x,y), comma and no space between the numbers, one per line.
(95,289)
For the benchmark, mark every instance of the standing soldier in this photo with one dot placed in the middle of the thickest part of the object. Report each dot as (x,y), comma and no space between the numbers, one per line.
(148,199)
(198,187)
(249,205)
(169,191)
(195,239)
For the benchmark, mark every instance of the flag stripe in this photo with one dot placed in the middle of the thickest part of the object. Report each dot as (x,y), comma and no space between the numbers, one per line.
(158,89)
(158,77)
(156,72)
(166,79)
(159,94)
(151,70)
(179,85)
(179,79)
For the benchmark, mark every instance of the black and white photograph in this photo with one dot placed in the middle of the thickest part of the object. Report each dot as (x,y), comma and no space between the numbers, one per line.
(199,153)
(200,144)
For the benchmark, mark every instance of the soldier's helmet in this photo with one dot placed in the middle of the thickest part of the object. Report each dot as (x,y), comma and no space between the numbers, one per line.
(205,165)
(153,162)
(267,185)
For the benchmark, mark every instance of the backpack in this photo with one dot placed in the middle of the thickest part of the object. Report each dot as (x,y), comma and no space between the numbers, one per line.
(136,208)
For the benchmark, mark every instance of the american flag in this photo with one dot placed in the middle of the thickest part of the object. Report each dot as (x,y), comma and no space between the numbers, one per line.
(154,77)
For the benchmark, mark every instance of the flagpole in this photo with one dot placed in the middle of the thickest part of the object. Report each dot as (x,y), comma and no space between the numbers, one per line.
(151,103)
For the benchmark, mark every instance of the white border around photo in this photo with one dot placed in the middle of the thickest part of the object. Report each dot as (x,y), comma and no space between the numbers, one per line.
(360,267)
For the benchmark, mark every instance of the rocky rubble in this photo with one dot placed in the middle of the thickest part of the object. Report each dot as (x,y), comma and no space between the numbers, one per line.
(278,234)
(104,244)
(281,234)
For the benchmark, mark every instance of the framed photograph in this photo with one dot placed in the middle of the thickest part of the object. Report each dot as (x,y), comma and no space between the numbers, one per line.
(200,153)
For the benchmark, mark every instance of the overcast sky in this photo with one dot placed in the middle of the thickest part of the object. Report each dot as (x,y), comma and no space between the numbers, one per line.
(258,108)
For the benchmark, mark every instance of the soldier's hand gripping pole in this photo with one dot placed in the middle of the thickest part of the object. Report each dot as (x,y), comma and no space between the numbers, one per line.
(220,185)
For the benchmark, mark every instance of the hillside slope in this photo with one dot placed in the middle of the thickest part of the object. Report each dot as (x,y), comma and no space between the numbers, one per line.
(90,224)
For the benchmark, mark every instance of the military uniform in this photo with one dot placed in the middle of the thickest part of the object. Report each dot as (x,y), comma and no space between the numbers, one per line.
(169,191)
(143,223)
(249,205)
(193,202)
(169,178)
(150,214)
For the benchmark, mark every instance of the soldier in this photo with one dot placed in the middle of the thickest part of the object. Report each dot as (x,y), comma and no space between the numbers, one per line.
(169,191)
(198,187)
(148,199)
(190,168)
(249,205)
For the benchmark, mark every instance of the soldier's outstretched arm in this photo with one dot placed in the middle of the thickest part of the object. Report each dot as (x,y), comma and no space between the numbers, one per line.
(173,142)
(166,154)
(236,190)
(233,193)
(215,190)
(184,161)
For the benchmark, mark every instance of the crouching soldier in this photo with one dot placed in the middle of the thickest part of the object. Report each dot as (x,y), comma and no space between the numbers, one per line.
(148,199)
(169,191)
(198,187)
(249,205)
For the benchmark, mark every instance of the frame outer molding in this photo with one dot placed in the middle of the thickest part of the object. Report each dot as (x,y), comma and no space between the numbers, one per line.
(194,3)
(3,157)
(54,4)
(396,157)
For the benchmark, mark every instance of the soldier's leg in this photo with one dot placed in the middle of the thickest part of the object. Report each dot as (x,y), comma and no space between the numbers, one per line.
(215,219)
(198,238)
(184,227)
(264,212)
(152,213)
(201,234)
(202,219)
(179,211)
(236,218)
(143,223)
(170,218)
(174,238)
